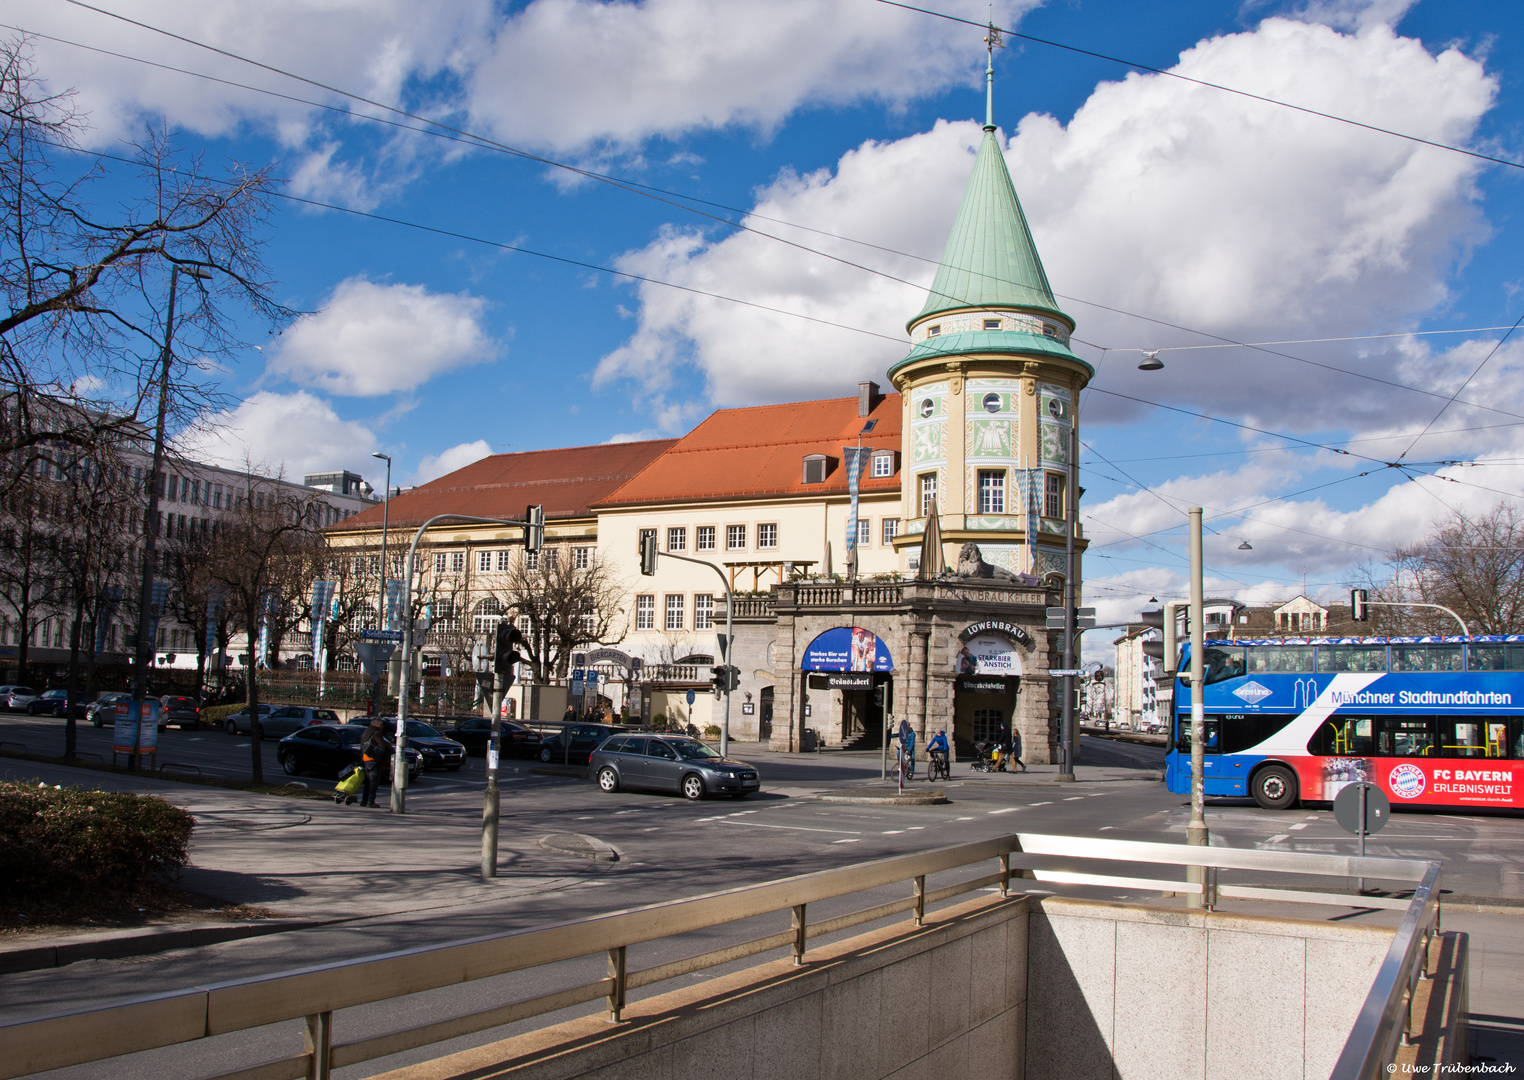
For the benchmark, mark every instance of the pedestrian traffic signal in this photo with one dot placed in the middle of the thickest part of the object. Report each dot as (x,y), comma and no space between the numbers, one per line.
(1358,611)
(534,534)
(648,552)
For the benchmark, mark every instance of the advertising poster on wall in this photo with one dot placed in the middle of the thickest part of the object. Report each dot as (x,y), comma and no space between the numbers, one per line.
(847,648)
(988,654)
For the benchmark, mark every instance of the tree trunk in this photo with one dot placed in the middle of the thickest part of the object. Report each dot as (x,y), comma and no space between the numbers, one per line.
(73,685)
(251,695)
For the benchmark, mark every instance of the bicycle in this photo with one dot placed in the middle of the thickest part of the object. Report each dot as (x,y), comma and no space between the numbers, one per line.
(937,767)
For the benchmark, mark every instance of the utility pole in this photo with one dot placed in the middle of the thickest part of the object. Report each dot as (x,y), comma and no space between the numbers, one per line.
(1071,500)
(1196,832)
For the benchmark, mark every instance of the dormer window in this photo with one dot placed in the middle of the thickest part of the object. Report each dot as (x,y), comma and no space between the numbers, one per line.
(882,464)
(992,324)
(934,330)
(815,468)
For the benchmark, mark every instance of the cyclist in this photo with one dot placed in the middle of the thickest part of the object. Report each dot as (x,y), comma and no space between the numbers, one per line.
(906,735)
(936,753)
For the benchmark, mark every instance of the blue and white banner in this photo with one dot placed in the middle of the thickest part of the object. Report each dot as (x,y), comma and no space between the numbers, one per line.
(853,457)
(105,615)
(394,604)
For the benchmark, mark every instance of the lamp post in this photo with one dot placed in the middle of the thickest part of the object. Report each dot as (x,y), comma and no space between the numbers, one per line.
(151,521)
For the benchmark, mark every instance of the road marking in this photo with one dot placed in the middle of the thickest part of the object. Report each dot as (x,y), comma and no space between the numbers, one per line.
(915,828)
(791,828)
(893,832)
(1004,810)
(587,817)
(1104,828)
(1276,839)
(653,828)
(963,819)
(1045,802)
(849,840)
(1074,798)
(1299,825)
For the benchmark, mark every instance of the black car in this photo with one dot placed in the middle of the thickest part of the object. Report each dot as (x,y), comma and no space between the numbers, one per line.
(574,743)
(54,702)
(327,748)
(438,751)
(513,738)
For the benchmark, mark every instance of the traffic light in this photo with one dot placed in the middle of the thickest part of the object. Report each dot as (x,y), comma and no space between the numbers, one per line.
(1358,611)
(534,533)
(504,655)
(719,678)
(1162,619)
(648,553)
(734,678)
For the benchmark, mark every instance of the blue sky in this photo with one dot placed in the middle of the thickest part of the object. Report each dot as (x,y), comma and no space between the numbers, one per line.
(1192,214)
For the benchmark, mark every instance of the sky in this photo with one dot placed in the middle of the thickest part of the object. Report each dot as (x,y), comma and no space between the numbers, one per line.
(1331,302)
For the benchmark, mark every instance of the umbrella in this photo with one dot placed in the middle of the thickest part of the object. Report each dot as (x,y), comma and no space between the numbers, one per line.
(932,563)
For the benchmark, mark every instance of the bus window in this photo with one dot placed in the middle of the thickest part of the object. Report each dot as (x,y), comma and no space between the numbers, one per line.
(1183,739)
(1461,738)
(1222,664)
(1426,658)
(1343,736)
(1496,657)
(1404,736)
(1275,659)
(1243,732)
(1351,657)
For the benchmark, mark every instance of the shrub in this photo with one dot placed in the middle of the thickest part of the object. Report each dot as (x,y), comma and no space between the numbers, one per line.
(712,731)
(216,715)
(71,844)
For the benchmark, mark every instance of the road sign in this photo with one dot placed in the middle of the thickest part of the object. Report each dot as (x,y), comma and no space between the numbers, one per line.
(1347,808)
(691,696)
(1059,673)
(381,635)
(1084,618)
(374,656)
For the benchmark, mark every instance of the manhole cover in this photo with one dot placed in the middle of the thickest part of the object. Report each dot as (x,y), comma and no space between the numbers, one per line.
(584,847)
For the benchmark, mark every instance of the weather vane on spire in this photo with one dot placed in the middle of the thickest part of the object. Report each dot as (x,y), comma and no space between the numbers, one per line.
(992,42)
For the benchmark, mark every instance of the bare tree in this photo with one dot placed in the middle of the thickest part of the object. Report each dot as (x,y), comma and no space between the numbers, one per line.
(1471,563)
(566,607)
(266,532)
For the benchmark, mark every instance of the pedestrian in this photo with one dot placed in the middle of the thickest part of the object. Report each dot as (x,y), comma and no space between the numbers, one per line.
(570,716)
(372,753)
(1003,745)
(907,747)
(1016,750)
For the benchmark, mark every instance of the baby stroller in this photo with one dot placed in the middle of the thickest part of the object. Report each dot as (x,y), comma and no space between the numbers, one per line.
(988,757)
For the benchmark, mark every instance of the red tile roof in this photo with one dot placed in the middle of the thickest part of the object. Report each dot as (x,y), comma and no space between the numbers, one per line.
(566,482)
(759,452)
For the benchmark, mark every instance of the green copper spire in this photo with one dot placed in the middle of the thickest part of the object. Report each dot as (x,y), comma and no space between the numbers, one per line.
(990,260)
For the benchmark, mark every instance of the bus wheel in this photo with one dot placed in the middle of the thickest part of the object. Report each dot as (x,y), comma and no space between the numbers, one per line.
(1274,787)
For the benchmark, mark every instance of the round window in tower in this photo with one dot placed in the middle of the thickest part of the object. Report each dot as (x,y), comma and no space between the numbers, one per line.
(926,407)
(991,402)
(1055,408)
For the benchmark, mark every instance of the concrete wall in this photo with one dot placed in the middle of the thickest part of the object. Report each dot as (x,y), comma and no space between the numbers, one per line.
(1124,991)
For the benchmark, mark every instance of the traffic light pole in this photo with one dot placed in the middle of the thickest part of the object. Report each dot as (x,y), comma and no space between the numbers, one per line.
(1066,731)
(399,754)
(729,637)
(1196,831)
(1465,630)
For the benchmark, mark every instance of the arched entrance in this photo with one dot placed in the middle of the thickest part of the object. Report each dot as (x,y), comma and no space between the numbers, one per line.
(847,672)
(987,677)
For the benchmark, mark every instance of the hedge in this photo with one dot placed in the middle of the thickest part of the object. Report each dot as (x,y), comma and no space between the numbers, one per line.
(71,844)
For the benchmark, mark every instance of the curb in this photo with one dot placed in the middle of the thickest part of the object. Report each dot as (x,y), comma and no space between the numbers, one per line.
(579,845)
(870,797)
(148,939)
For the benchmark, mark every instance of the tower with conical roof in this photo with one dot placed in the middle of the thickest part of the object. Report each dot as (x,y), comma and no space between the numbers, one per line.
(989,386)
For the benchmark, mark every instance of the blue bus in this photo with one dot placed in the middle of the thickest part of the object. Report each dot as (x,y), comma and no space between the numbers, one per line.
(1435,721)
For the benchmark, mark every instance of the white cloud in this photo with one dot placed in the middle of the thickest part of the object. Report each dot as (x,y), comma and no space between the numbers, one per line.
(1184,203)
(434,466)
(292,434)
(371,339)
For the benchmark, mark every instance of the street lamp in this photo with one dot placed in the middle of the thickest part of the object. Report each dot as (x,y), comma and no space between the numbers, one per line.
(386,507)
(151,522)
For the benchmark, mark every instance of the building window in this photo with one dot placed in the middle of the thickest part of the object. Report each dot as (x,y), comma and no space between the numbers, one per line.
(645,612)
(457,562)
(815,469)
(883,464)
(991,403)
(891,530)
(991,491)
(735,537)
(992,324)
(1053,496)
(677,539)
(484,561)
(504,560)
(703,538)
(216,495)
(531,560)
(767,536)
(582,558)
(645,534)
(675,612)
(552,559)
(703,612)
(934,330)
(928,493)
(439,563)
(864,532)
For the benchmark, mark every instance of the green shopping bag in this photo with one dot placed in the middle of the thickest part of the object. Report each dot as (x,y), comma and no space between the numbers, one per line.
(351,783)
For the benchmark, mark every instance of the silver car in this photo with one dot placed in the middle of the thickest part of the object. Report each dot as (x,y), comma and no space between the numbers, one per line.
(670,763)
(16,698)
(278,721)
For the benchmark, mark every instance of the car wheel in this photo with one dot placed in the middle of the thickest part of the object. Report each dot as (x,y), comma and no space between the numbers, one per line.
(1274,787)
(98,722)
(693,787)
(608,780)
(259,730)
(545,754)
(229,726)
(288,763)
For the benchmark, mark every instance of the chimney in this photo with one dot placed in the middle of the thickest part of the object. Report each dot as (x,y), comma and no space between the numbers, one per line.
(867,397)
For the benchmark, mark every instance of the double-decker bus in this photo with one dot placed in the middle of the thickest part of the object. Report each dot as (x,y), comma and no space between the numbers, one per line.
(1434,721)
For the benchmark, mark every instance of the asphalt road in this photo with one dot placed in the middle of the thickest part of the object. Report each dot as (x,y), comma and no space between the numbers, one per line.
(668,848)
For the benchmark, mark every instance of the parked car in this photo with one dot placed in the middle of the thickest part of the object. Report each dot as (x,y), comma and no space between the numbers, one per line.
(277,721)
(16,698)
(55,703)
(102,710)
(327,748)
(438,752)
(574,743)
(513,738)
(182,712)
(671,763)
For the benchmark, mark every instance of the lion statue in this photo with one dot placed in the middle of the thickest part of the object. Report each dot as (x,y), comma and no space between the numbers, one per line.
(971,564)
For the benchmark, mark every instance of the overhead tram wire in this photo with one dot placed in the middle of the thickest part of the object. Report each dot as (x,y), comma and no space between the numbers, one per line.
(675,199)
(1477,371)
(1209,85)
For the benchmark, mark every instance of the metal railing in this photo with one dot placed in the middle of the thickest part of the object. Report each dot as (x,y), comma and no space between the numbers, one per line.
(313,994)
